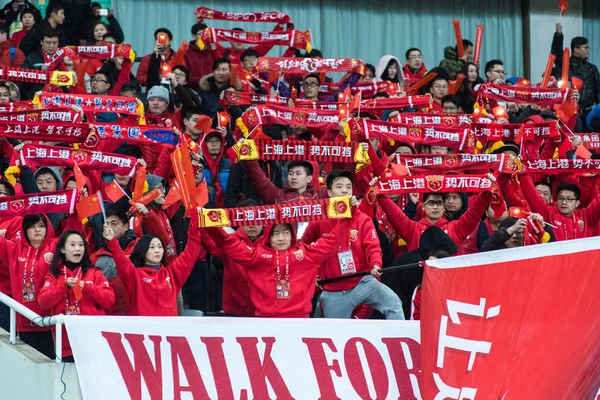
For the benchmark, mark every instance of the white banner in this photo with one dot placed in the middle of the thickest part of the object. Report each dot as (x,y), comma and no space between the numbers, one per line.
(245,358)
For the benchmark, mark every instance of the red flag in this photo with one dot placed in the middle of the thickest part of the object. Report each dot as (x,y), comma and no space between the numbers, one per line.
(487,335)
(77,291)
(114,192)
(204,123)
(399,169)
(519,136)
(79,178)
(140,180)
(178,58)
(582,152)
(577,83)
(201,194)
(88,206)
(562,6)
(566,111)
(497,203)
(173,197)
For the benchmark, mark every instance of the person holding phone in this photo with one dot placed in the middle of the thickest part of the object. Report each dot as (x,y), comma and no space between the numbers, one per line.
(11,11)
(162,48)
(97,28)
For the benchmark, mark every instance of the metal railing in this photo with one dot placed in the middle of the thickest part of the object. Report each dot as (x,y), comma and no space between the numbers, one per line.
(16,307)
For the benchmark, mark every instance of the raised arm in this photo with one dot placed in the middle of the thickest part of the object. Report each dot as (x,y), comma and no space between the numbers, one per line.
(263,186)
(183,265)
(125,268)
(533,198)
(234,246)
(403,225)
(471,218)
(319,251)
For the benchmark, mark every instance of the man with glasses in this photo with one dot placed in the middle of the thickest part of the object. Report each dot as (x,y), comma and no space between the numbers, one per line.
(580,68)
(414,69)
(438,89)
(251,83)
(571,222)
(311,87)
(198,61)
(433,207)
(40,59)
(494,71)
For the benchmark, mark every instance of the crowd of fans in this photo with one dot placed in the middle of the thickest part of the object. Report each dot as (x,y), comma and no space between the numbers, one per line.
(55,264)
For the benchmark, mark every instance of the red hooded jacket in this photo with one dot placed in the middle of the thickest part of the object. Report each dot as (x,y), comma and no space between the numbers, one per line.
(154,292)
(581,224)
(142,72)
(26,265)
(236,287)
(56,296)
(299,260)
(457,230)
(199,63)
(363,241)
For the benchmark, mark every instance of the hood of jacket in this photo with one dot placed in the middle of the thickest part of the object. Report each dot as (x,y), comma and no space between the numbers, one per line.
(267,234)
(53,170)
(382,65)
(434,238)
(450,52)
(49,233)
(88,182)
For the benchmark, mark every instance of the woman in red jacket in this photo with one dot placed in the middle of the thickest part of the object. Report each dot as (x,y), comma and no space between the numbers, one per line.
(26,262)
(74,286)
(152,286)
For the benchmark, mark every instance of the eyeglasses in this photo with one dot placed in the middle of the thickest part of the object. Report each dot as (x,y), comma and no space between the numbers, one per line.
(566,199)
(179,74)
(446,109)
(586,47)
(250,59)
(98,80)
(499,71)
(432,203)
(415,57)
(311,84)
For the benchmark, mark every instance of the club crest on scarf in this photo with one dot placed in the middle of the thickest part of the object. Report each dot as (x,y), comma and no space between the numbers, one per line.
(451,160)
(17,205)
(435,182)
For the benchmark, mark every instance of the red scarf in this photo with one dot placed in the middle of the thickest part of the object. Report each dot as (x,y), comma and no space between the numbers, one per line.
(140,134)
(25,105)
(232,98)
(577,166)
(510,132)
(440,164)
(56,116)
(394,103)
(529,95)
(39,155)
(433,183)
(449,121)
(296,211)
(272,114)
(92,103)
(296,39)
(414,77)
(62,201)
(298,150)
(45,131)
(267,16)
(305,66)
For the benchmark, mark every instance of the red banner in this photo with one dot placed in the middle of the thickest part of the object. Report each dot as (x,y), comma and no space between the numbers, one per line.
(591,141)
(463,162)
(16,106)
(305,66)
(40,116)
(319,105)
(513,324)
(510,131)
(458,139)
(101,52)
(449,121)
(297,211)
(297,39)
(267,16)
(92,103)
(271,114)
(366,89)
(433,184)
(232,98)
(298,150)
(577,166)
(394,103)
(529,95)
(62,201)
(39,155)
(45,131)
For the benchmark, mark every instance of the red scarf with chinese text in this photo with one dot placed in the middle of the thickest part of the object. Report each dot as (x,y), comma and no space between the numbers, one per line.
(433,184)
(528,95)
(62,201)
(305,66)
(295,38)
(439,164)
(266,16)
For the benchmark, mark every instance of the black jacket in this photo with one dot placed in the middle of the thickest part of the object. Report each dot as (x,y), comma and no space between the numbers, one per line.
(239,186)
(587,72)
(8,15)
(31,42)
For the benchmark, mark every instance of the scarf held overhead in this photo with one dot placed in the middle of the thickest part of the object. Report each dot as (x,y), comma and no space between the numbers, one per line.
(266,16)
(305,66)
(295,38)
(301,150)
(463,162)
(298,211)
(271,114)
(529,95)
(92,103)
(62,201)
(433,183)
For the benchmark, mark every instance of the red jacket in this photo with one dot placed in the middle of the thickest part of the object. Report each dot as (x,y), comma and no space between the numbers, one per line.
(457,230)
(581,224)
(142,71)
(26,265)
(300,260)
(5,58)
(271,194)
(236,287)
(154,292)
(97,296)
(151,151)
(199,63)
(158,223)
(363,241)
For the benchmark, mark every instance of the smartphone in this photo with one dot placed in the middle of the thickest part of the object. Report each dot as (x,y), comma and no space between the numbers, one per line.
(163,38)
(103,12)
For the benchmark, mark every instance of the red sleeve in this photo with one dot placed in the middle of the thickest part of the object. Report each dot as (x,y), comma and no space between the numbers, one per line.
(142,71)
(219,52)
(99,291)
(371,244)
(319,251)
(535,200)
(183,265)
(164,165)
(311,234)
(404,226)
(125,268)
(209,244)
(509,191)
(263,49)
(263,186)
(290,52)
(589,191)
(123,77)
(471,218)
(592,212)
(231,244)
(416,305)
(54,291)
